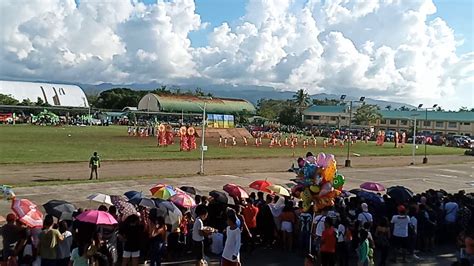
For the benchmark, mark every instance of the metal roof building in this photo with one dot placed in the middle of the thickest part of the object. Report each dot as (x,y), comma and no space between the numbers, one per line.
(440,122)
(192,104)
(53,94)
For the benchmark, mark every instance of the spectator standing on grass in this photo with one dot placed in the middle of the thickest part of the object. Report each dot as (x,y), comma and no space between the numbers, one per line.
(94,164)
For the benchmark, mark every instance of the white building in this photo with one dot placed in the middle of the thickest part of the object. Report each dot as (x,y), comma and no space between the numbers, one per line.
(53,94)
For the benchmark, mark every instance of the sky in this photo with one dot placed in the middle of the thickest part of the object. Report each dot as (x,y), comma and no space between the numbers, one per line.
(401,50)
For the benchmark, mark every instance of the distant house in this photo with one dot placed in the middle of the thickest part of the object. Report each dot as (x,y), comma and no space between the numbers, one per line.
(434,122)
(60,95)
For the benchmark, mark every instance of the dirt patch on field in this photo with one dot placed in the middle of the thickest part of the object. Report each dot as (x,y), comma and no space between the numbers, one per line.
(42,173)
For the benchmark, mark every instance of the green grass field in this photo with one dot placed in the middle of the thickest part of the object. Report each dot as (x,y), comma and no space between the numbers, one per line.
(34,144)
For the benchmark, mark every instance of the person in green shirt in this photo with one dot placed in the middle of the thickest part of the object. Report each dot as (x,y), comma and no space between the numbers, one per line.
(94,164)
(49,239)
(363,249)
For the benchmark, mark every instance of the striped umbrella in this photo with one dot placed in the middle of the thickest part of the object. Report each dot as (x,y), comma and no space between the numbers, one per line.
(183,200)
(27,213)
(236,191)
(162,191)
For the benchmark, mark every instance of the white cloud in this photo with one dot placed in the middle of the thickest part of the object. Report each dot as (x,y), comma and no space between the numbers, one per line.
(383,49)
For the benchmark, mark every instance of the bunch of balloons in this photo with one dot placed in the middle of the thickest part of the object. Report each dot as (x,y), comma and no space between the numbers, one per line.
(318,181)
(6,192)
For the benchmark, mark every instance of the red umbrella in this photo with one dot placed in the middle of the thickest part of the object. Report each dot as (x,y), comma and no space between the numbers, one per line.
(236,191)
(27,213)
(97,217)
(184,200)
(372,186)
(260,185)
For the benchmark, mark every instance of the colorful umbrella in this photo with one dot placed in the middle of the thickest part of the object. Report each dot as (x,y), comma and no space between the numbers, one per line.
(400,193)
(97,217)
(58,207)
(27,213)
(235,191)
(279,190)
(101,198)
(260,185)
(183,200)
(372,186)
(190,190)
(162,191)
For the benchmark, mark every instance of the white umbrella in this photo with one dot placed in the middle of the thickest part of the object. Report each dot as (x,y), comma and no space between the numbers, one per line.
(101,198)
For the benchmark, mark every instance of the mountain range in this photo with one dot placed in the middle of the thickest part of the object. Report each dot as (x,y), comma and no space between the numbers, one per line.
(250,93)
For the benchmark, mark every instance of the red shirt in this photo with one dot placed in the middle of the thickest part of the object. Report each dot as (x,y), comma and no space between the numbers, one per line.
(328,240)
(250,215)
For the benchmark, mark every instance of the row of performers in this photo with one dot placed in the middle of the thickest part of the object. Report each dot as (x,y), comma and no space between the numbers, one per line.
(291,141)
(399,139)
(187,137)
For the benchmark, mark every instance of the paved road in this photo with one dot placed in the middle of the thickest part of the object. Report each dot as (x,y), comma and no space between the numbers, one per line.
(418,178)
(37,173)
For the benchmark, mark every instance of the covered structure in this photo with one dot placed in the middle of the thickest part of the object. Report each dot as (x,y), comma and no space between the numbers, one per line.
(60,95)
(193,104)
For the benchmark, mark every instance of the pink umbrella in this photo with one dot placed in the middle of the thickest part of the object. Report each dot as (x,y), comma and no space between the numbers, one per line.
(27,213)
(97,217)
(235,191)
(184,200)
(372,186)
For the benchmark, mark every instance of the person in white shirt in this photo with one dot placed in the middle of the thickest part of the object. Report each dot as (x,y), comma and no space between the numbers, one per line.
(400,224)
(364,216)
(318,228)
(231,253)
(199,233)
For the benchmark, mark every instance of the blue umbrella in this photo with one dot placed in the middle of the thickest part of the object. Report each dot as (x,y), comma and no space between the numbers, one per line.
(134,197)
(370,197)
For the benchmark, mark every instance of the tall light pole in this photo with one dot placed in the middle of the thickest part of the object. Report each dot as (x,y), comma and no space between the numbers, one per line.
(203,147)
(349,137)
(425,159)
(414,140)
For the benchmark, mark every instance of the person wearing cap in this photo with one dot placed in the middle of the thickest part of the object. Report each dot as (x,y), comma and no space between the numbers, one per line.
(400,223)
(365,216)
(10,233)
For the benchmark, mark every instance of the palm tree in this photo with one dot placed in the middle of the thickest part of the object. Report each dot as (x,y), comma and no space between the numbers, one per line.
(404,108)
(301,99)
(388,107)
